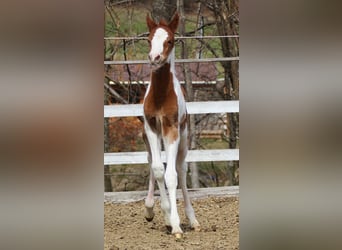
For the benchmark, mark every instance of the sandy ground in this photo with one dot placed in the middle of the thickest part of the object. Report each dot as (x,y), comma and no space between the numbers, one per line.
(126,228)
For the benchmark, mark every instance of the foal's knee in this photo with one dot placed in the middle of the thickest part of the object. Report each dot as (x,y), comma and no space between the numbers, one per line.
(158,171)
(171,179)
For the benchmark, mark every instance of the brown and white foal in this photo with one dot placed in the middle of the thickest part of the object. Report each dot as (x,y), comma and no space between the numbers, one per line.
(165,122)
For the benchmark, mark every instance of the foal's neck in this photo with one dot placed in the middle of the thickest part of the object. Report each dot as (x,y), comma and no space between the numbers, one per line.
(162,78)
(162,81)
(171,60)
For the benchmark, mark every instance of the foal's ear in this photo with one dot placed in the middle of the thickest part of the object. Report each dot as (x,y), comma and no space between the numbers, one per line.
(173,25)
(150,23)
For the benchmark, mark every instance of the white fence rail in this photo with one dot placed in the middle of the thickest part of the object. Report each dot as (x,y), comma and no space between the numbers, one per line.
(190,60)
(191,107)
(193,155)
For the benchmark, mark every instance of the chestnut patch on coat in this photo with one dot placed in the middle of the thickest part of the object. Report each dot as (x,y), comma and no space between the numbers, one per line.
(170,127)
(160,105)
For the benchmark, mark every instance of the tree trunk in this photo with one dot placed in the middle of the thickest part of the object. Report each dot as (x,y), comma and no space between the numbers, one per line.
(226,26)
(190,97)
(107,178)
(226,15)
(163,9)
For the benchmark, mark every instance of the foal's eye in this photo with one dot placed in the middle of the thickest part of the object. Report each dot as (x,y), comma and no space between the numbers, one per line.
(169,42)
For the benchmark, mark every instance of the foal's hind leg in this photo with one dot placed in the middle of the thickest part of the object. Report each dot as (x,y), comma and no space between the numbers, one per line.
(149,202)
(182,171)
(189,211)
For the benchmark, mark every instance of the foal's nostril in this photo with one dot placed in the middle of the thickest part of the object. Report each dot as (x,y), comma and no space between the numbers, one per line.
(154,60)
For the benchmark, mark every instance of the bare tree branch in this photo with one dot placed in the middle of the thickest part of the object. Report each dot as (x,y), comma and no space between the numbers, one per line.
(114,93)
(127,67)
(207,45)
(112,14)
(199,28)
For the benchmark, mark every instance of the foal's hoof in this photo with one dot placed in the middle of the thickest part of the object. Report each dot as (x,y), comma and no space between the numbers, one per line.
(149,219)
(149,214)
(196,227)
(178,236)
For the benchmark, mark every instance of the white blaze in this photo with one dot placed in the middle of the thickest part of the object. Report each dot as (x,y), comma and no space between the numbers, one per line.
(157,42)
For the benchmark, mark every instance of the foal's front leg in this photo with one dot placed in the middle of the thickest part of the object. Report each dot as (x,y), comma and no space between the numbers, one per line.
(171,180)
(149,201)
(157,168)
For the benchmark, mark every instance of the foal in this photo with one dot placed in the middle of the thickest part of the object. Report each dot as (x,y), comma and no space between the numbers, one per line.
(165,122)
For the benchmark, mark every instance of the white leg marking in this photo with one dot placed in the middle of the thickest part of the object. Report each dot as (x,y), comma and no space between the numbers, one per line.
(171,183)
(158,170)
(182,170)
(149,202)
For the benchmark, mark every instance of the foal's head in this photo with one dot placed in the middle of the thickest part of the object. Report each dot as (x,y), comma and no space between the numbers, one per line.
(161,40)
